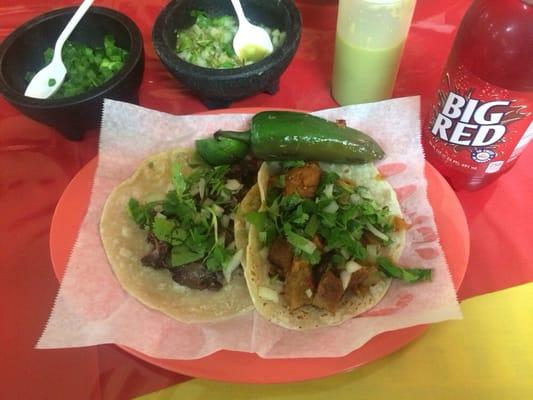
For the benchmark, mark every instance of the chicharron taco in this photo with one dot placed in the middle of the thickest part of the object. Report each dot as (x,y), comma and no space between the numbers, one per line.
(170,237)
(324,240)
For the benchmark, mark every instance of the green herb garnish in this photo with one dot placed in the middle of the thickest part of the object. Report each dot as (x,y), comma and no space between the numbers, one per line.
(388,268)
(87,68)
(342,214)
(190,218)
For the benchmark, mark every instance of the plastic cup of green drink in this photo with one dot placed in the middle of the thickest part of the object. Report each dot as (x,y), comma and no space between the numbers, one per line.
(369,43)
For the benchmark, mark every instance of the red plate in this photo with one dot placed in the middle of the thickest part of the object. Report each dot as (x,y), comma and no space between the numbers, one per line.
(250,368)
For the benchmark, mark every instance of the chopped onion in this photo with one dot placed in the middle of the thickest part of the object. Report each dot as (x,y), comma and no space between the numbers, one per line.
(345,279)
(375,290)
(331,208)
(372,252)
(344,252)
(350,267)
(376,233)
(328,190)
(222,237)
(218,210)
(233,263)
(268,294)
(355,198)
(234,185)
(309,293)
(201,188)
(224,221)
(276,284)
(224,195)
(194,189)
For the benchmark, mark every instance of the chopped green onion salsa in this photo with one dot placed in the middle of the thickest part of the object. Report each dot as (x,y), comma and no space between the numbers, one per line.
(209,42)
(87,68)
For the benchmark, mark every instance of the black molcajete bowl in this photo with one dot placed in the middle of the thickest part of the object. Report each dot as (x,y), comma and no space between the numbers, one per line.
(22,51)
(219,87)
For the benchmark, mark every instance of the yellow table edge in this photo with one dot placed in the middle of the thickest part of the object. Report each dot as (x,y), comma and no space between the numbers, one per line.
(487,355)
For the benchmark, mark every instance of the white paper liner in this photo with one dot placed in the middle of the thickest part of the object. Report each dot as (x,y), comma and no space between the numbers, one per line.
(91,307)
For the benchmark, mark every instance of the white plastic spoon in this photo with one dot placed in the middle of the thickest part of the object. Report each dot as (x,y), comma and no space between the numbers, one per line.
(49,79)
(251,42)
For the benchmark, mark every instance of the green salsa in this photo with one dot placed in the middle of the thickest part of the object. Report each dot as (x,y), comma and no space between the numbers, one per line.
(209,42)
(87,68)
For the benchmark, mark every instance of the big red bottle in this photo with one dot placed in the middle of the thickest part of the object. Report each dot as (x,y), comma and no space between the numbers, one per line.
(482,118)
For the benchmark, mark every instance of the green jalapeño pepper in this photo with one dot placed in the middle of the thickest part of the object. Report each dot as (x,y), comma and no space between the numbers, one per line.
(286,135)
(221,151)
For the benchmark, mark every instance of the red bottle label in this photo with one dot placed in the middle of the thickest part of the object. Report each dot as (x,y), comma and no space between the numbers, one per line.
(476,128)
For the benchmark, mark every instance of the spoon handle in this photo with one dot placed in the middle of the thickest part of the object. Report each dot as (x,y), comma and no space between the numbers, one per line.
(239,11)
(78,15)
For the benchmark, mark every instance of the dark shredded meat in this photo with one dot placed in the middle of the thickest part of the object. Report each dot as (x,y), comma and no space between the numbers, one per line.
(329,292)
(298,281)
(194,276)
(159,256)
(322,267)
(197,276)
(246,173)
(303,180)
(369,238)
(280,255)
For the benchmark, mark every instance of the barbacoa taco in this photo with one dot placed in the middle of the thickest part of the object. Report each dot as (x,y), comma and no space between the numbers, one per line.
(170,237)
(323,242)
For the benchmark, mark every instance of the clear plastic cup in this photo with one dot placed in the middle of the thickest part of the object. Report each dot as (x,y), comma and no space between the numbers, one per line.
(368,47)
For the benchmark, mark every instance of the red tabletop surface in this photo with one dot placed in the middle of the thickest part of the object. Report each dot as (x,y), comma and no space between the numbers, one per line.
(36,164)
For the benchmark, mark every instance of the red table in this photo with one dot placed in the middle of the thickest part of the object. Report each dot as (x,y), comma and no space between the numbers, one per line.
(36,164)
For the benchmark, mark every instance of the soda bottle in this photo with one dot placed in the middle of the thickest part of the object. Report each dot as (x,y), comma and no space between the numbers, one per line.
(482,118)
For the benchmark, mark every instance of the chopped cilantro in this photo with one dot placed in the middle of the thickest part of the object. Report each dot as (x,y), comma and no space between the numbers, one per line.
(163,228)
(341,213)
(190,221)
(141,213)
(299,242)
(182,255)
(388,268)
(218,258)
(178,180)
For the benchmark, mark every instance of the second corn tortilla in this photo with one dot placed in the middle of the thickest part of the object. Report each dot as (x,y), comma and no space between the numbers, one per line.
(257,265)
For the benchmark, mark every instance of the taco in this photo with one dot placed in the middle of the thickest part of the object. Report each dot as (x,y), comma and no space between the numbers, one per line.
(323,242)
(169,234)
